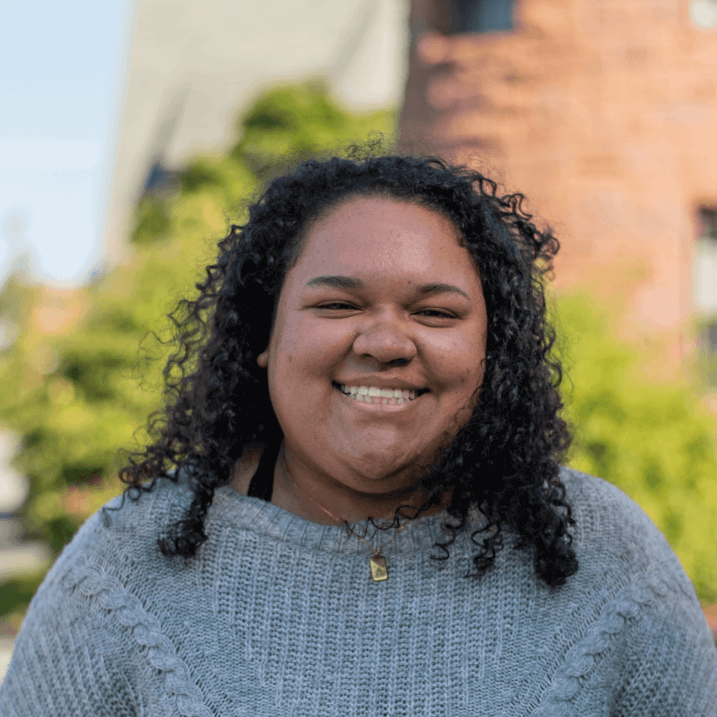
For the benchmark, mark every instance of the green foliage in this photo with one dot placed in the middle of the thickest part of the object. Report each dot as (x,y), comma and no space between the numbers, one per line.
(152,221)
(654,440)
(286,124)
(17,592)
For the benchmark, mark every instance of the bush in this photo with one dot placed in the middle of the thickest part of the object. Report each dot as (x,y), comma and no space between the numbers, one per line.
(653,440)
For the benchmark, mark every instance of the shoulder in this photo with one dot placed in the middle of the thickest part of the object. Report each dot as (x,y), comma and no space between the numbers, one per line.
(615,539)
(102,603)
(591,494)
(124,532)
(624,556)
(610,524)
(643,629)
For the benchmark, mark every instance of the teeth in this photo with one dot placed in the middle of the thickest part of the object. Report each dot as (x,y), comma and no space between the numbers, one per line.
(373,394)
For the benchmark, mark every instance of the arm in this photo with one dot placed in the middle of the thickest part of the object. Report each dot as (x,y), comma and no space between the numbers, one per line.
(88,647)
(71,659)
(670,665)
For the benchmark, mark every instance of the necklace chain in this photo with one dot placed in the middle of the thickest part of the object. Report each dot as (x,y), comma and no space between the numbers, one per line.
(379,571)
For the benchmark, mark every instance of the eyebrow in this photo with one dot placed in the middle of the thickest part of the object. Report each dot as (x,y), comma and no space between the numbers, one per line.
(351,282)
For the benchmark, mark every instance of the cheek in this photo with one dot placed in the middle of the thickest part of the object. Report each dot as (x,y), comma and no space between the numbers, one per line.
(305,357)
(458,365)
(314,347)
(291,353)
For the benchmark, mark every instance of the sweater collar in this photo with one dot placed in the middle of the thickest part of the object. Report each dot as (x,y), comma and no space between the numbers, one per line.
(231,508)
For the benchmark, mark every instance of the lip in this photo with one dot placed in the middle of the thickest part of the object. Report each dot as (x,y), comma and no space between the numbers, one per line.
(378,407)
(383,382)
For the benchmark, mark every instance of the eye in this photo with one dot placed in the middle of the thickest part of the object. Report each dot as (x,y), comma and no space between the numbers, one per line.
(337,305)
(343,306)
(435,313)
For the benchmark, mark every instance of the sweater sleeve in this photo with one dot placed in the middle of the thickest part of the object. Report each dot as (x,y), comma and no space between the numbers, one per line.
(670,665)
(92,644)
(72,659)
(646,649)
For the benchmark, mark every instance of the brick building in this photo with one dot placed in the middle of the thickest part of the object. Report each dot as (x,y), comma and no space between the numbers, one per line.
(604,113)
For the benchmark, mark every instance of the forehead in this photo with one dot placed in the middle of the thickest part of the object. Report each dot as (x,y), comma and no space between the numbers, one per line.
(380,235)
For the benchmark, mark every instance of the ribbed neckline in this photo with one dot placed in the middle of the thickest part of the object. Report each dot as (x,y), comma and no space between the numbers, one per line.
(233,508)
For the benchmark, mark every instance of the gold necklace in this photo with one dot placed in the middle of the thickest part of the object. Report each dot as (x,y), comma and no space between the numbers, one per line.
(377,563)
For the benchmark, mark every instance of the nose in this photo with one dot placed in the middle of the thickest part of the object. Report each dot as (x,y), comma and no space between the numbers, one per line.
(385,341)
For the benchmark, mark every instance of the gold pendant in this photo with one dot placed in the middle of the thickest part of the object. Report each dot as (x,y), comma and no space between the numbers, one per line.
(379,571)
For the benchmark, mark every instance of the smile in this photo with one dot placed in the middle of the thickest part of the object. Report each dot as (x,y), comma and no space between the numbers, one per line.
(373,395)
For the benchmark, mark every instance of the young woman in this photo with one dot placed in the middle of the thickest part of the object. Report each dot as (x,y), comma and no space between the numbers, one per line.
(355,503)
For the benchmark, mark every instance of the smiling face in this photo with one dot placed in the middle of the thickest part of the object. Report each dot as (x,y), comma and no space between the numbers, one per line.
(383,297)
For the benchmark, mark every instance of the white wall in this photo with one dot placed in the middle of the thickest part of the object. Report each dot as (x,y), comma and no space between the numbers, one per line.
(193,65)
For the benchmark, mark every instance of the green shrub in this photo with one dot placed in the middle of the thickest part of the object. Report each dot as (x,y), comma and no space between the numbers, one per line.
(654,440)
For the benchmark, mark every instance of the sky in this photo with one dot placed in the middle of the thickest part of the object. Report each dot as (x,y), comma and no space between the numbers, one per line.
(61,94)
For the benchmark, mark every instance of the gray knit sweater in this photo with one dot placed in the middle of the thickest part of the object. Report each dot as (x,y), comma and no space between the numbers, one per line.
(278,616)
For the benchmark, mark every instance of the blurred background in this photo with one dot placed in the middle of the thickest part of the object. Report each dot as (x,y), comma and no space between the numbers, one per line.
(134,131)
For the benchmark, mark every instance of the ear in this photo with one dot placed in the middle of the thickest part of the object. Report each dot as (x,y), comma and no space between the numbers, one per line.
(263,359)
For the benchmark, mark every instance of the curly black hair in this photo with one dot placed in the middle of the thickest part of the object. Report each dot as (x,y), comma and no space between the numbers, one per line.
(504,461)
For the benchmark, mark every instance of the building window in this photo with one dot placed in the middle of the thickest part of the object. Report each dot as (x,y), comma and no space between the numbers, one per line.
(704,13)
(481,15)
(704,292)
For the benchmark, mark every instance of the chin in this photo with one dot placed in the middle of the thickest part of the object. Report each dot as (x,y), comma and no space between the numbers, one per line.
(385,474)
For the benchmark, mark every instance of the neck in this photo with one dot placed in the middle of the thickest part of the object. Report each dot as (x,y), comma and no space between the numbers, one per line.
(327,501)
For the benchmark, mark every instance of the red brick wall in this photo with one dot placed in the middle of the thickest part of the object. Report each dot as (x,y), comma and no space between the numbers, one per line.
(604,113)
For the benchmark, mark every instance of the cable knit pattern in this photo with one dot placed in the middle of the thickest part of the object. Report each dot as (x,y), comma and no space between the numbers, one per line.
(278,617)
(113,596)
(582,656)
